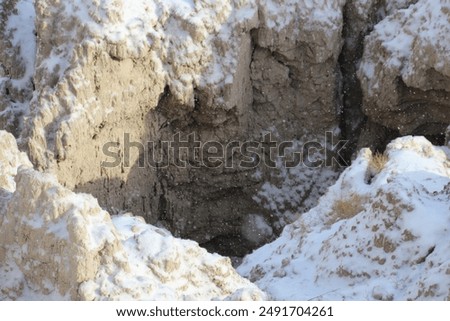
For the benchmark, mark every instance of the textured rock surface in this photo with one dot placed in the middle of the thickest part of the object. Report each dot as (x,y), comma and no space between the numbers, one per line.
(360,17)
(62,245)
(294,67)
(17,58)
(404,71)
(227,71)
(94,84)
(380,233)
(76,75)
(12,159)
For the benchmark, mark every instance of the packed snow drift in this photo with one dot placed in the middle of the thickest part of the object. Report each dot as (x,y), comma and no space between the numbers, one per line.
(380,233)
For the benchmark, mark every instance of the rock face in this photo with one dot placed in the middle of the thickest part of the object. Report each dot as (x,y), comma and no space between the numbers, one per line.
(11,160)
(405,70)
(294,67)
(228,71)
(62,245)
(358,127)
(380,233)
(100,93)
(17,59)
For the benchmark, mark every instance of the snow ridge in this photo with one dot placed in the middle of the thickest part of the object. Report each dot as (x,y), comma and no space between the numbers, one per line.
(374,235)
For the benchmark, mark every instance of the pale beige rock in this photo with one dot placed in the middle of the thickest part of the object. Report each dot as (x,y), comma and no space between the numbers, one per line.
(48,237)
(16,65)
(226,71)
(11,159)
(201,73)
(294,68)
(405,70)
(56,244)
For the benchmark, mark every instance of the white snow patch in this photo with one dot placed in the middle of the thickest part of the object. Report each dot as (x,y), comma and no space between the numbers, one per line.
(380,238)
(21,26)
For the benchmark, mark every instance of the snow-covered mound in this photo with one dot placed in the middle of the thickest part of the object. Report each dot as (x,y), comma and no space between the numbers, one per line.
(56,244)
(381,232)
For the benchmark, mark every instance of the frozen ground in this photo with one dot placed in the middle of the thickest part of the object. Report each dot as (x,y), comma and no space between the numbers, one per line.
(59,245)
(381,232)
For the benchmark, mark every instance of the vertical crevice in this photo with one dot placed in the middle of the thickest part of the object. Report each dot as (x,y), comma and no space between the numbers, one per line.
(352,117)
(358,23)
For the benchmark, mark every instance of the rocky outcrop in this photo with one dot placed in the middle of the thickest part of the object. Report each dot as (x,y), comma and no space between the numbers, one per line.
(380,233)
(17,58)
(360,131)
(97,92)
(12,159)
(404,71)
(226,72)
(62,245)
(105,83)
(294,67)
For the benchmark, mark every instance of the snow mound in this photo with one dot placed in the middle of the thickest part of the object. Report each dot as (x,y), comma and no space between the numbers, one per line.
(380,233)
(60,245)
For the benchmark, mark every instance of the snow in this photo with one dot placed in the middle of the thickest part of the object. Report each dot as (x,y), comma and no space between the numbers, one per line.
(201,37)
(256,229)
(279,14)
(422,28)
(162,267)
(294,190)
(393,243)
(373,236)
(19,29)
(21,26)
(58,245)
(181,31)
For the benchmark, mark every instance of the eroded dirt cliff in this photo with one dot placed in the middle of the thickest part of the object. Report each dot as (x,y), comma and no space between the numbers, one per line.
(225,72)
(56,245)
(87,73)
